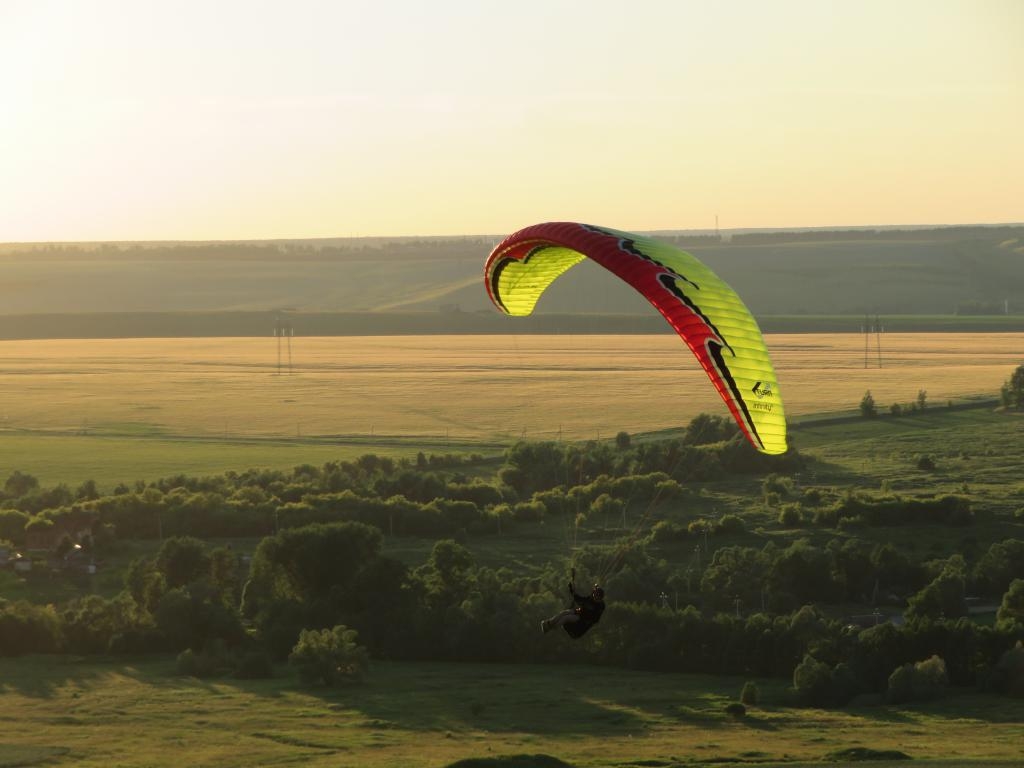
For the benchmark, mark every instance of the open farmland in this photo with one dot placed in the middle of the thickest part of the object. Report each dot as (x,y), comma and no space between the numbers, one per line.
(435,393)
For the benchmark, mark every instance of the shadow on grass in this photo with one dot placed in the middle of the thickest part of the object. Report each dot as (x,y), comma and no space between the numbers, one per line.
(433,697)
(48,676)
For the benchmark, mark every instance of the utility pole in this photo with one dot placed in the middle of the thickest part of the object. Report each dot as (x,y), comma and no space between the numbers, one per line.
(878,339)
(283,330)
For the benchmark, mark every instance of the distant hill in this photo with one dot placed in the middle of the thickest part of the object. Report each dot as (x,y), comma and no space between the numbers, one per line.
(901,271)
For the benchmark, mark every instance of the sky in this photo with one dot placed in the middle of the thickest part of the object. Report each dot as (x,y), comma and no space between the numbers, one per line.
(139,120)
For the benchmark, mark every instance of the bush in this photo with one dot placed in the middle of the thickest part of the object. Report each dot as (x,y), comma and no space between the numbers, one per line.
(666,531)
(790,516)
(917,682)
(329,656)
(811,681)
(27,628)
(1008,674)
(750,693)
(867,406)
(926,463)
(730,524)
(735,709)
(817,685)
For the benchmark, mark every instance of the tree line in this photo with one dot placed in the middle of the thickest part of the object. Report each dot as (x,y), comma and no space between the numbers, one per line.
(320,565)
(197,601)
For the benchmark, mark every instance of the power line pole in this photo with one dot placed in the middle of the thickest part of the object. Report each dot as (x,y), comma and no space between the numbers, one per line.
(878,339)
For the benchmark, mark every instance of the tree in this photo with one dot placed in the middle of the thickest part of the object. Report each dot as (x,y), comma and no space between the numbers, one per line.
(87,491)
(310,562)
(1012,609)
(182,560)
(448,574)
(867,406)
(193,616)
(19,483)
(329,656)
(704,429)
(12,525)
(922,398)
(943,598)
(998,567)
(1013,389)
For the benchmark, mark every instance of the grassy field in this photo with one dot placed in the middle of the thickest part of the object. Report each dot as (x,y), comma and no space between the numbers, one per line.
(121,410)
(136,712)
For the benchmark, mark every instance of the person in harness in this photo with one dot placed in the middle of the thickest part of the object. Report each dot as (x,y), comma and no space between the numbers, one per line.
(584,614)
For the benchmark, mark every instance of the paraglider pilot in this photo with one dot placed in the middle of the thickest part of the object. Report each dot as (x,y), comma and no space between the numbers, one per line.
(584,614)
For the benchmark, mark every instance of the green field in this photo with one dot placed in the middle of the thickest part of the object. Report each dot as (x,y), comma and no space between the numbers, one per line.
(110,460)
(136,712)
(121,410)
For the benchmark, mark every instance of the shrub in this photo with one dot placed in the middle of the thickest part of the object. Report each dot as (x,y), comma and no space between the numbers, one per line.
(1008,674)
(666,531)
(816,684)
(735,709)
(697,527)
(926,463)
(750,694)
(330,656)
(867,406)
(917,682)
(27,628)
(790,516)
(730,524)
(813,497)
(811,681)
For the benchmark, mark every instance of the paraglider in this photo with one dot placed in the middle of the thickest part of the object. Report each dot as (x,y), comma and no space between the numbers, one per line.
(705,312)
(585,612)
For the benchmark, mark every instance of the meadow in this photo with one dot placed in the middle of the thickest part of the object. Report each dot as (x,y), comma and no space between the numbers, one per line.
(128,711)
(126,409)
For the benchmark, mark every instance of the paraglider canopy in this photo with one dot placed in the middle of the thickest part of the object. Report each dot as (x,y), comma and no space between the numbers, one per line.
(705,312)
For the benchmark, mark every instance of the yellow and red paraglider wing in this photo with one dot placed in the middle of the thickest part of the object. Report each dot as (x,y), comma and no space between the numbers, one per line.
(705,312)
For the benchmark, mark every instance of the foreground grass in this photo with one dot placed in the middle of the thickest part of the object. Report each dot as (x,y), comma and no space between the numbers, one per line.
(135,712)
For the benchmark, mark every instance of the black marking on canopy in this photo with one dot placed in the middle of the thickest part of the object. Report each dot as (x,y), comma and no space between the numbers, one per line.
(715,350)
(503,262)
(669,284)
(629,246)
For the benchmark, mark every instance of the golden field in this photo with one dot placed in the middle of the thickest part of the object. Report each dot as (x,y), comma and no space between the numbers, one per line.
(462,387)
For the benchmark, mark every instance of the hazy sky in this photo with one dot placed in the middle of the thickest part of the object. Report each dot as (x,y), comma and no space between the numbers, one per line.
(221,120)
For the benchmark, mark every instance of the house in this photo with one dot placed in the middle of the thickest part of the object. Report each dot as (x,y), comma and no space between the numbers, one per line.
(75,527)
